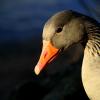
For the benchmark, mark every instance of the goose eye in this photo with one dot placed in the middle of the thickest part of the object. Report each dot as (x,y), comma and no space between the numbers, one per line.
(59,30)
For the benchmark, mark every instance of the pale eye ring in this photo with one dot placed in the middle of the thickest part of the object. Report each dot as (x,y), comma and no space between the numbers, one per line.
(59,29)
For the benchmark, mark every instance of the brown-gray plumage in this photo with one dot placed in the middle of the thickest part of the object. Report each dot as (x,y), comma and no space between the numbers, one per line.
(67,28)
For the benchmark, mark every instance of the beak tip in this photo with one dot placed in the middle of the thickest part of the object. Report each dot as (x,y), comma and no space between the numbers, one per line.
(36,70)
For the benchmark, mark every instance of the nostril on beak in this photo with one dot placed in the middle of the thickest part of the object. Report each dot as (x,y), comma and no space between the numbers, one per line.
(45,54)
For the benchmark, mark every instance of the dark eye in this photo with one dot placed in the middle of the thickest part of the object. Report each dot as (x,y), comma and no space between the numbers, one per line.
(59,29)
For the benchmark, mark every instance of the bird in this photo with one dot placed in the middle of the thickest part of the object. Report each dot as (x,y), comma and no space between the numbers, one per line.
(66,28)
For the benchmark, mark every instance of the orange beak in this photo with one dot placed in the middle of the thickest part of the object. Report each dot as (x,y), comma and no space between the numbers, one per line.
(49,52)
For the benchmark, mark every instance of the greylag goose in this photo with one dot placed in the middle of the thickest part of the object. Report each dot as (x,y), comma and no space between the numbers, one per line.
(65,29)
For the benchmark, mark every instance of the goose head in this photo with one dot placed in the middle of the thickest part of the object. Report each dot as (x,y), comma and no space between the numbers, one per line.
(60,31)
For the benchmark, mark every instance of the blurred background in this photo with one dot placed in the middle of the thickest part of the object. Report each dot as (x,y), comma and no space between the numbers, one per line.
(21,25)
